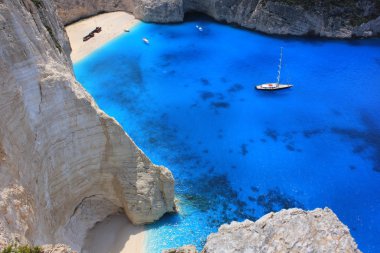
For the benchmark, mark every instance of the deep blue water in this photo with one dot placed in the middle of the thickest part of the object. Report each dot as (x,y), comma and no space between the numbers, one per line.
(188,101)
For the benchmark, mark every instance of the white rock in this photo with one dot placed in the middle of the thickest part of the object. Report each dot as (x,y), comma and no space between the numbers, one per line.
(292,230)
(65,161)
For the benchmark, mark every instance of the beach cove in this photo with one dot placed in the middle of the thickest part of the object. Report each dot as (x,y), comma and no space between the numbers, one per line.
(246,171)
(169,133)
(113,25)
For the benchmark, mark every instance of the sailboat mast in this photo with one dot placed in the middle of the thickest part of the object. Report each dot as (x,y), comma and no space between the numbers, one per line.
(279,68)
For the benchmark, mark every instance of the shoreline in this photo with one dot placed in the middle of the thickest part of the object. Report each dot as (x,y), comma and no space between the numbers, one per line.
(113,24)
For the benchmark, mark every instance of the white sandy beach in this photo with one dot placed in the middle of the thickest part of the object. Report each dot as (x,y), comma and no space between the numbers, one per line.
(115,235)
(113,24)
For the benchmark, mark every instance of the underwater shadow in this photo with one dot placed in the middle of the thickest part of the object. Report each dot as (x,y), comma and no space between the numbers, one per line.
(369,138)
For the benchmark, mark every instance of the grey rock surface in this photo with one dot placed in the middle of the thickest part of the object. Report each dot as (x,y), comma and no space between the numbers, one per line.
(72,10)
(291,230)
(184,249)
(334,19)
(159,11)
(64,164)
(58,248)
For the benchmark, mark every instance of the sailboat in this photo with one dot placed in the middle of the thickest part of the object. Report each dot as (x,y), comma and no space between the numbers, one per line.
(277,85)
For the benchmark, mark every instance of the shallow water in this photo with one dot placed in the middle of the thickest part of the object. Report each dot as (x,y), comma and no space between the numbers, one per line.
(187,100)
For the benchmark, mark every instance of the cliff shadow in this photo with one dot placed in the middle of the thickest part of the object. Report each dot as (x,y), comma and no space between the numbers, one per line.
(114,234)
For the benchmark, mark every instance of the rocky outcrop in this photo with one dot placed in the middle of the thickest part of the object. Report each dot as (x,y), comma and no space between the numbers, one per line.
(184,249)
(64,164)
(333,18)
(291,230)
(72,10)
(369,29)
(58,248)
(167,11)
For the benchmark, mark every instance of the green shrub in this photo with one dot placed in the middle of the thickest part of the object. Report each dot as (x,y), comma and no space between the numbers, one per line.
(37,3)
(50,31)
(21,249)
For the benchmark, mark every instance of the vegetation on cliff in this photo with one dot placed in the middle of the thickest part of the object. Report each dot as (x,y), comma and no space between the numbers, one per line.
(37,3)
(21,249)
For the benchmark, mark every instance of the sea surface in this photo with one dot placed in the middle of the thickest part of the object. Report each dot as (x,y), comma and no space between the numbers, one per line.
(188,100)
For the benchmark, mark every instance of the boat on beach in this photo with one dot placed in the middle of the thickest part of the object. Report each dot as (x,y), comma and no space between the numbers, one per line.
(97,29)
(277,85)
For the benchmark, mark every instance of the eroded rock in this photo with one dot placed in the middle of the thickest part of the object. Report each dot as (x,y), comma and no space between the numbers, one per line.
(335,19)
(292,230)
(184,249)
(64,164)
(57,248)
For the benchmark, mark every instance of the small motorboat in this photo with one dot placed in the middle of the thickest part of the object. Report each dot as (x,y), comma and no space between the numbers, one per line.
(146,41)
(200,28)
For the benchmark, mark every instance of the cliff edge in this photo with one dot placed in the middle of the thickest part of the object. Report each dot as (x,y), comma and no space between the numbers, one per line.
(326,18)
(64,164)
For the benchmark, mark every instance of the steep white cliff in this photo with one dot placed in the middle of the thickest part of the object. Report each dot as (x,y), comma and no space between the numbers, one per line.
(64,164)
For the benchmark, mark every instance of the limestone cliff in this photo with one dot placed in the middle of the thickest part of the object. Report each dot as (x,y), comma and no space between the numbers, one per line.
(64,164)
(72,10)
(292,230)
(327,18)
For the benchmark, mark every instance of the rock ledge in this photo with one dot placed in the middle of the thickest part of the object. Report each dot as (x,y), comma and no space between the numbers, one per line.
(292,230)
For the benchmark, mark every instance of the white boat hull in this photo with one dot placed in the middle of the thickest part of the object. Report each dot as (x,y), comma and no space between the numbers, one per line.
(146,41)
(273,86)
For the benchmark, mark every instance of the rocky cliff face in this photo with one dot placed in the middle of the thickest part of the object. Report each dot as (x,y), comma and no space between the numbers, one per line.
(327,18)
(292,230)
(72,10)
(64,164)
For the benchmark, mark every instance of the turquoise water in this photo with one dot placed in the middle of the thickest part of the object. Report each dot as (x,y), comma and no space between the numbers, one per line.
(187,100)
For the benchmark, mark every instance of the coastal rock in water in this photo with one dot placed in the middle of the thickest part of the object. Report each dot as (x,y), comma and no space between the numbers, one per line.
(184,249)
(64,164)
(291,230)
(335,19)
